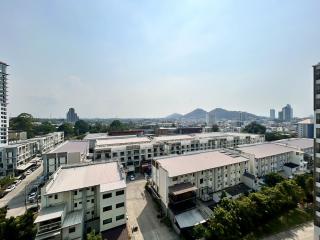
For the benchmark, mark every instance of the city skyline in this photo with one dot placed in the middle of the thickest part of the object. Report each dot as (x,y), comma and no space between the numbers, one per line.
(152,60)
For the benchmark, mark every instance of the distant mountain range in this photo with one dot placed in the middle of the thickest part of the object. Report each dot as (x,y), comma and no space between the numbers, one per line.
(215,114)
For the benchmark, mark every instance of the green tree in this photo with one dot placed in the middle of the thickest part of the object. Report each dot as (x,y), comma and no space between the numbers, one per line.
(117,125)
(81,127)
(67,128)
(44,128)
(93,236)
(199,231)
(23,122)
(255,128)
(215,128)
(276,136)
(98,128)
(272,179)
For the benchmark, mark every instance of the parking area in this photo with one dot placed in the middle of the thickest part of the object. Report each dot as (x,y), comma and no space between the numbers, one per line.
(142,213)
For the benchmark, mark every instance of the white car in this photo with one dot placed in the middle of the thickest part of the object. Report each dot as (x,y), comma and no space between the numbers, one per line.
(28,172)
(10,188)
(32,197)
(16,182)
(132,178)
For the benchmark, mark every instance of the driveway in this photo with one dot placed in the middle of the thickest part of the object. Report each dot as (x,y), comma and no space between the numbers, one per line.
(16,198)
(302,232)
(142,213)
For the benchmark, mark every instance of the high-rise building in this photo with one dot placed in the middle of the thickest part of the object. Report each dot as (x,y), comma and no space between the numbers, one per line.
(280,115)
(72,116)
(272,114)
(4,103)
(287,113)
(316,106)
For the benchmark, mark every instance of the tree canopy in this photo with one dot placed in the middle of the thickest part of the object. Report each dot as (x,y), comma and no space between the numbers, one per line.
(255,128)
(215,128)
(81,127)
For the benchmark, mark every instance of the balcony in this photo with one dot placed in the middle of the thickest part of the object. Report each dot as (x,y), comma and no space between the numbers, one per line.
(182,197)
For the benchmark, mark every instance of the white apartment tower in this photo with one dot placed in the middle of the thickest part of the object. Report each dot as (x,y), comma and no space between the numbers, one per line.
(316,76)
(4,104)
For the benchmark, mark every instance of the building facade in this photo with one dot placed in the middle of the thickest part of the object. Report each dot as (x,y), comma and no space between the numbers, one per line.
(316,82)
(70,152)
(80,198)
(272,114)
(4,104)
(306,128)
(72,116)
(135,153)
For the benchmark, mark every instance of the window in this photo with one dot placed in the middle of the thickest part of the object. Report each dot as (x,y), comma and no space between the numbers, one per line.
(72,230)
(92,189)
(120,217)
(119,192)
(107,195)
(92,200)
(201,180)
(75,205)
(174,179)
(108,208)
(119,205)
(107,221)
(75,192)
(56,196)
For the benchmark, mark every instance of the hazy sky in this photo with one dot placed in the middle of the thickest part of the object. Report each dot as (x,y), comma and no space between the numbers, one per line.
(152,58)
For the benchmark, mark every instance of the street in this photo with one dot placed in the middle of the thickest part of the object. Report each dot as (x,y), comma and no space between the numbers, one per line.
(142,213)
(16,198)
(302,232)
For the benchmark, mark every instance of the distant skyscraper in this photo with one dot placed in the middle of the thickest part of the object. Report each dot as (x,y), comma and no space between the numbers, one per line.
(72,116)
(287,113)
(280,115)
(4,104)
(242,116)
(316,170)
(272,114)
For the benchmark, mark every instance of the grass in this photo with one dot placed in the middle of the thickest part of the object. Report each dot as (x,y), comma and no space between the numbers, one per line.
(285,222)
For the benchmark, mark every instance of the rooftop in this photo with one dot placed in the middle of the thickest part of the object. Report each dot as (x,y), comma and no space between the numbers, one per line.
(196,162)
(266,149)
(69,178)
(72,146)
(50,213)
(306,121)
(300,143)
(73,218)
(173,138)
(121,141)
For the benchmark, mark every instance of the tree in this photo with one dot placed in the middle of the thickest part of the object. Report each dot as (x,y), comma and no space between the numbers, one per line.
(44,128)
(67,128)
(93,236)
(272,179)
(23,122)
(81,127)
(198,231)
(98,128)
(255,128)
(276,136)
(215,128)
(117,125)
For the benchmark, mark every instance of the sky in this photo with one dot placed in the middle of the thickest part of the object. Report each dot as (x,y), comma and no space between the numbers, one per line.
(152,58)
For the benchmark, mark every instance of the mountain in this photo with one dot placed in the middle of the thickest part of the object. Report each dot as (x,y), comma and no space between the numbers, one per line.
(196,115)
(175,116)
(220,113)
(215,115)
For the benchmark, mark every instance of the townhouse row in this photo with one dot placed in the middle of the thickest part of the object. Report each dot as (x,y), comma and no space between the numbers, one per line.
(15,157)
(135,153)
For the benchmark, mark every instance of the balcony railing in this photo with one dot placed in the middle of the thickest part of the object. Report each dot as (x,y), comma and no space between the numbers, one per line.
(49,227)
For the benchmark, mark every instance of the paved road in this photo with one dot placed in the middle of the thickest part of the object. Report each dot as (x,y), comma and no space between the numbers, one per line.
(16,198)
(303,232)
(142,213)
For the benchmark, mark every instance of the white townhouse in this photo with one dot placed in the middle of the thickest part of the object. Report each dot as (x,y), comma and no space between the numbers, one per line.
(70,152)
(179,178)
(80,198)
(271,157)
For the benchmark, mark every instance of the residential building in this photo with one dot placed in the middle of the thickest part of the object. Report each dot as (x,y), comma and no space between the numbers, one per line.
(72,116)
(135,153)
(80,198)
(4,104)
(182,179)
(306,128)
(287,113)
(272,114)
(271,157)
(14,158)
(15,135)
(49,141)
(316,106)
(70,152)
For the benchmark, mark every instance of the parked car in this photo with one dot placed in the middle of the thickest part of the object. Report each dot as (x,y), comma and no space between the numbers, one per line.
(28,172)
(10,188)
(32,197)
(16,182)
(132,178)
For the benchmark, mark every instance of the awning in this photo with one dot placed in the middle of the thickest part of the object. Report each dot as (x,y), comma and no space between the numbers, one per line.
(49,213)
(189,218)
(181,188)
(24,167)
